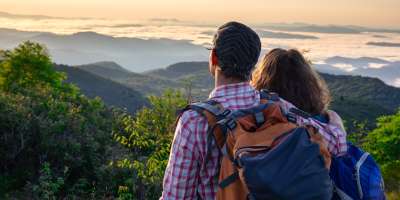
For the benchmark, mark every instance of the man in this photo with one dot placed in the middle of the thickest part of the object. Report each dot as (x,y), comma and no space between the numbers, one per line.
(234,54)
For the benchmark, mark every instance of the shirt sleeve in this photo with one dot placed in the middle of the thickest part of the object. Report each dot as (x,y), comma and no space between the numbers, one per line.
(182,172)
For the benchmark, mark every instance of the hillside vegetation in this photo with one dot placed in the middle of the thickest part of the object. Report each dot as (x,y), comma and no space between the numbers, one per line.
(55,142)
(355,98)
(147,85)
(111,92)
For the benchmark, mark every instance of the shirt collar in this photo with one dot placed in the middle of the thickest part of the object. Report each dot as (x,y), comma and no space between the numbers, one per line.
(235,89)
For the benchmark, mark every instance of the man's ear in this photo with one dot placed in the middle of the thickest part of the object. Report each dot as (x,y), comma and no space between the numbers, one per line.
(214,59)
(213,63)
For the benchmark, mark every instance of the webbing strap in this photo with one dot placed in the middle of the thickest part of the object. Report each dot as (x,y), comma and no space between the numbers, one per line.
(214,109)
(358,166)
(230,179)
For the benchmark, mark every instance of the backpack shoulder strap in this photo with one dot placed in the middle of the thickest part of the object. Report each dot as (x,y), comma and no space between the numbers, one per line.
(214,112)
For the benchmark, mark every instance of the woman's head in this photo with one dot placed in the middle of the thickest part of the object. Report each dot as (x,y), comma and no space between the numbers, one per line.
(289,74)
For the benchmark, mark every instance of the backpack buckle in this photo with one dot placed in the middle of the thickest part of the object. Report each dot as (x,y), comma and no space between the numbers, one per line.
(231,124)
(291,117)
(226,112)
(223,115)
(228,122)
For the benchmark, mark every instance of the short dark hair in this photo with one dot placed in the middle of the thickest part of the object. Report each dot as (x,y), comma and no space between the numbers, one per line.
(237,48)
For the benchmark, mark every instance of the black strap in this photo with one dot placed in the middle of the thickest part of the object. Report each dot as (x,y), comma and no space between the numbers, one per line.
(300,113)
(230,179)
(210,139)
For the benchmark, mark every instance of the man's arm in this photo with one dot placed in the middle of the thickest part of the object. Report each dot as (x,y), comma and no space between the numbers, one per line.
(181,175)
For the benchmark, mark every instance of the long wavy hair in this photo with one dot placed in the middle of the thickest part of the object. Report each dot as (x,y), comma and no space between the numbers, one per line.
(289,74)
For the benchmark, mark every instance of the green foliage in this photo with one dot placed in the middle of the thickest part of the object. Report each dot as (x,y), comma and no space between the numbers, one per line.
(50,130)
(48,186)
(148,138)
(358,133)
(384,144)
(28,66)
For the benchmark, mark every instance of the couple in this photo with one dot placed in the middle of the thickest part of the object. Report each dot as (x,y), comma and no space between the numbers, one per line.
(235,52)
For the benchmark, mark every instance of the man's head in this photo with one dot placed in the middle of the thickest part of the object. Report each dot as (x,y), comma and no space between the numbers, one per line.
(235,51)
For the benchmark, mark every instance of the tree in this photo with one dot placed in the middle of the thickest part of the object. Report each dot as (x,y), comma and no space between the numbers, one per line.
(148,136)
(49,131)
(384,145)
(27,66)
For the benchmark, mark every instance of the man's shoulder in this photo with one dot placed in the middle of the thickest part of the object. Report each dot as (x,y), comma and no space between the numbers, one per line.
(191,116)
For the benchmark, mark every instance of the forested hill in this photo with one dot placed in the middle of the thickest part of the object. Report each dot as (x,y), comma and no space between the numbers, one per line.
(112,93)
(354,97)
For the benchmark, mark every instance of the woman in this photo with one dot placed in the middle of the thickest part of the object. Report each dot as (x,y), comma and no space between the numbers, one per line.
(289,74)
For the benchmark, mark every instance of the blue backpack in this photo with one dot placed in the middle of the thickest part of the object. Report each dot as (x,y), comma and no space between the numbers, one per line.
(356,175)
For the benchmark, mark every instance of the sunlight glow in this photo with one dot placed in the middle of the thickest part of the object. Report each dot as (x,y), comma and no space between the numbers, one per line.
(381,13)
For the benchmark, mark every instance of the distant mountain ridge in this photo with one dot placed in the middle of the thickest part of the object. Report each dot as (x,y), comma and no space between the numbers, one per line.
(135,54)
(112,93)
(388,71)
(354,97)
(143,83)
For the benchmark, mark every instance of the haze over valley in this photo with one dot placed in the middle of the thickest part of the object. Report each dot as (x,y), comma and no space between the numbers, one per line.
(144,45)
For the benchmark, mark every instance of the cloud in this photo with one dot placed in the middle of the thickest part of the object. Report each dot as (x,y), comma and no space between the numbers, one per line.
(282,35)
(397,82)
(375,65)
(345,67)
(384,44)
(336,29)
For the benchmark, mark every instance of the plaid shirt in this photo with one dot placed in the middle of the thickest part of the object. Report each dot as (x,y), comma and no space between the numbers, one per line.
(186,176)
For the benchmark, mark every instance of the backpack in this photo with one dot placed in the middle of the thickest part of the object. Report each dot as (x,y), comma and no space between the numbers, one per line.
(265,154)
(356,176)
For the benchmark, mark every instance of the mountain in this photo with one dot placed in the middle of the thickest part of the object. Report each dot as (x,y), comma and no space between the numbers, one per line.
(354,97)
(109,70)
(388,71)
(371,90)
(313,28)
(145,84)
(134,54)
(18,16)
(112,93)
(35,17)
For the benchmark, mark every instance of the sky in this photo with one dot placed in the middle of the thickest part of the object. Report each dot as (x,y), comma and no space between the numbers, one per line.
(375,13)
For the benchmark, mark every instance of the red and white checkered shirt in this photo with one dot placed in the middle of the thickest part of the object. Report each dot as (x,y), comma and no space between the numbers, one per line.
(186,176)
